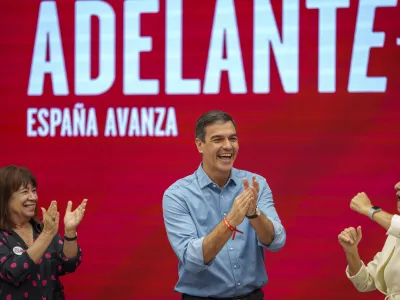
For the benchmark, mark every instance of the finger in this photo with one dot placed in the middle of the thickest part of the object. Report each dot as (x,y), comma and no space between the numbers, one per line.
(83,204)
(345,238)
(248,192)
(245,183)
(244,201)
(43,212)
(255,183)
(69,207)
(52,207)
(397,186)
(55,206)
(348,234)
(359,233)
(57,218)
(82,210)
(245,204)
(253,199)
(52,211)
(352,232)
(243,195)
(341,238)
(255,192)
(82,213)
(349,238)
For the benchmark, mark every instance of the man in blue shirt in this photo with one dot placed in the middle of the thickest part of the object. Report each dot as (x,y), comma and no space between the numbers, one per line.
(217,223)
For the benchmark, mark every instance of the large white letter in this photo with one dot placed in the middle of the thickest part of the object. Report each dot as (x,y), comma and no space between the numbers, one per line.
(175,84)
(48,35)
(327,41)
(364,40)
(225,25)
(31,121)
(286,51)
(84,11)
(134,44)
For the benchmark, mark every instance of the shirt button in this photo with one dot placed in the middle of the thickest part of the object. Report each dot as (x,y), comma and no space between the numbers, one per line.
(224,214)
(222,196)
(231,249)
(214,185)
(238,283)
(235,266)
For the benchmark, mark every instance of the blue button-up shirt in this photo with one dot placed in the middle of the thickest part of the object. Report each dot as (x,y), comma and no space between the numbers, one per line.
(193,207)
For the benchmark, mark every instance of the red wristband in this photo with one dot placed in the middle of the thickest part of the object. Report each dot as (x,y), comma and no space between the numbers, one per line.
(232,228)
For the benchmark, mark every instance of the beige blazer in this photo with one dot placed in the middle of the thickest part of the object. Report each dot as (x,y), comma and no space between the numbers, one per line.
(383,272)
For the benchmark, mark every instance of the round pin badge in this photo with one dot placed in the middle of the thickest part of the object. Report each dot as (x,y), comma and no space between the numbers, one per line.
(18,250)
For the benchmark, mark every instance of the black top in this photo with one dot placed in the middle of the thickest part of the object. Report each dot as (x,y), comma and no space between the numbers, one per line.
(21,278)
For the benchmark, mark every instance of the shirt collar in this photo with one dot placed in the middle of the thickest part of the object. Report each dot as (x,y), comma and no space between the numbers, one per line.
(204,180)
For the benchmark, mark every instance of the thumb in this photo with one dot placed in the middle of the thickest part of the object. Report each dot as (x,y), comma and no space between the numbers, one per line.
(245,183)
(359,233)
(43,212)
(69,206)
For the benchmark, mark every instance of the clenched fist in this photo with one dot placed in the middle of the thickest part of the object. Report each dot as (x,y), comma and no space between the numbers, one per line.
(361,203)
(349,238)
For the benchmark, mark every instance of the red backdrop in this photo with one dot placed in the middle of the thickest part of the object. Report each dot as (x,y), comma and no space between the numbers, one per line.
(317,148)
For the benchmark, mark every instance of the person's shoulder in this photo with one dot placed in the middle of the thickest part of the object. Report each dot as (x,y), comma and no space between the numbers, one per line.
(180,184)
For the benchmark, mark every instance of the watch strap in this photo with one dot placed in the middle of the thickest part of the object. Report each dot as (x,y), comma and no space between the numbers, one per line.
(372,211)
(69,239)
(256,214)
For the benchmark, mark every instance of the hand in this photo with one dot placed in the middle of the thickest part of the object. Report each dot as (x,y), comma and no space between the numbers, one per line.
(51,219)
(349,238)
(240,207)
(73,218)
(361,203)
(255,188)
(397,188)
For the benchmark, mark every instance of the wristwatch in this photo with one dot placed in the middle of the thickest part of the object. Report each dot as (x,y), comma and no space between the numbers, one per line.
(373,210)
(256,214)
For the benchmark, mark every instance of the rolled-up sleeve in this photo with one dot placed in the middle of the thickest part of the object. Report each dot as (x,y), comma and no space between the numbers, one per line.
(394,229)
(267,207)
(364,281)
(182,234)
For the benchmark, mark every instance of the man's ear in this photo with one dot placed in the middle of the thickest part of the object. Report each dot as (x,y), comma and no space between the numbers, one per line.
(199,145)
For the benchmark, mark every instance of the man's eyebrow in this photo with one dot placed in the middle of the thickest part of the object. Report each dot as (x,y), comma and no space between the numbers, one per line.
(216,136)
(222,136)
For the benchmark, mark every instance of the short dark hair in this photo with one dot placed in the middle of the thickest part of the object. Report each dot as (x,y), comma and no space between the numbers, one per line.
(11,179)
(211,117)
